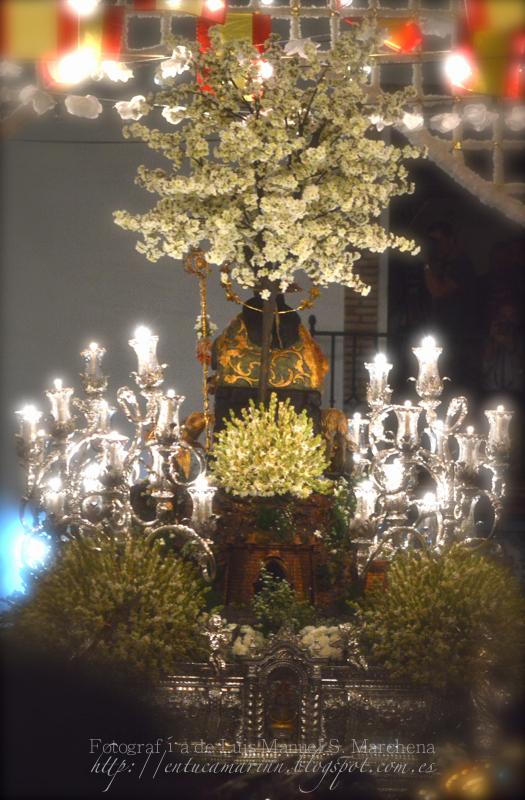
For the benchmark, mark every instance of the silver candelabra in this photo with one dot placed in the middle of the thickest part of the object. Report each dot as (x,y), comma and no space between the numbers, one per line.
(83,475)
(422,481)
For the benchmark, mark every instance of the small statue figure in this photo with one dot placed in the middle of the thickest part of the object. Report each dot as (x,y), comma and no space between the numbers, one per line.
(219,638)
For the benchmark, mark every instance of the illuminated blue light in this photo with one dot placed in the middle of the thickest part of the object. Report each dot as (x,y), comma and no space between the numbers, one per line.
(19,550)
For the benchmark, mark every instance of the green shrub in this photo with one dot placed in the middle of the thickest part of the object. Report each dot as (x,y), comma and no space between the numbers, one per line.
(442,618)
(113,601)
(276,604)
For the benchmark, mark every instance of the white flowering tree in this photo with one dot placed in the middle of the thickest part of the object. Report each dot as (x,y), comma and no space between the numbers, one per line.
(275,165)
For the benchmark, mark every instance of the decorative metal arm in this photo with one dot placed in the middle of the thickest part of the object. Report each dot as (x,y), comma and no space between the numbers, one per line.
(82,475)
(417,494)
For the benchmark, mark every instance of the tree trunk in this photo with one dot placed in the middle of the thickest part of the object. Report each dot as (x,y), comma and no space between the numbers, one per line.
(268,318)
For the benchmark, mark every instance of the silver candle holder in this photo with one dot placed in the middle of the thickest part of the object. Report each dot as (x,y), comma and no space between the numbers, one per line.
(82,474)
(424,481)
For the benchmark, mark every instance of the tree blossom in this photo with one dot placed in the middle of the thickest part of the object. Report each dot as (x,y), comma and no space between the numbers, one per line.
(276,176)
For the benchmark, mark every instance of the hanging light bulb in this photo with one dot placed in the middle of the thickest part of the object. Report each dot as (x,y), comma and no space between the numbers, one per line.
(265,69)
(214,5)
(458,69)
(266,2)
(84,8)
(74,67)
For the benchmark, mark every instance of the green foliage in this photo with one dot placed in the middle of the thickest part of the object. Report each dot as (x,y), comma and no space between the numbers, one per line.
(343,509)
(119,602)
(272,175)
(269,451)
(276,605)
(443,618)
(336,573)
(277,520)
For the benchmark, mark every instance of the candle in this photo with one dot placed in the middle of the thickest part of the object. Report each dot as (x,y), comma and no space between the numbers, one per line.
(91,477)
(428,503)
(29,418)
(144,344)
(168,416)
(366,496)
(499,421)
(469,444)
(378,391)
(59,397)
(357,430)
(54,497)
(92,355)
(393,474)
(157,479)
(101,415)
(407,422)
(202,498)
(115,452)
(428,383)
(437,438)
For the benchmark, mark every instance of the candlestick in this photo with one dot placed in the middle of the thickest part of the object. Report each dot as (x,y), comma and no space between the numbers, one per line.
(357,429)
(92,355)
(499,421)
(54,496)
(393,474)
(80,473)
(91,478)
(156,476)
(469,444)
(99,415)
(407,423)
(428,503)
(438,437)
(378,391)
(366,496)
(59,398)
(428,383)
(144,343)
(114,453)
(93,381)
(168,416)
(202,494)
(29,418)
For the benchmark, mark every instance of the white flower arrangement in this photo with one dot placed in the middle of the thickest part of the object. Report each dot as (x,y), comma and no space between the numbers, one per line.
(323,641)
(247,641)
(270,451)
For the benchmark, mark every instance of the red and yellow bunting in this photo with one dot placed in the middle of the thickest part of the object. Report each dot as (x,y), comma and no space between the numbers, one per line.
(212,10)
(254,28)
(495,33)
(45,29)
